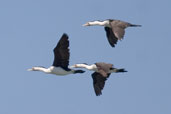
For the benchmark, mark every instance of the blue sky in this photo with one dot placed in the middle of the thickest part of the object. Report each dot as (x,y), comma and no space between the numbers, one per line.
(30,29)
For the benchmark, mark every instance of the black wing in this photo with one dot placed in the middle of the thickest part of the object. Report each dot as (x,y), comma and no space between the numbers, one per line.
(111,37)
(61,53)
(98,82)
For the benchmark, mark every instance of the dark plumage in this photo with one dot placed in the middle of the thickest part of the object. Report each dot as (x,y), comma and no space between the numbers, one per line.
(61,60)
(99,78)
(116,30)
(102,71)
(98,82)
(61,53)
(111,37)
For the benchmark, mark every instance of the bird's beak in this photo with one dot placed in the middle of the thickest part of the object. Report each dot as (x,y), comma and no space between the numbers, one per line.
(30,69)
(87,24)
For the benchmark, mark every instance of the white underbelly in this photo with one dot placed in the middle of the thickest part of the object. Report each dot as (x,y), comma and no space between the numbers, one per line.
(59,71)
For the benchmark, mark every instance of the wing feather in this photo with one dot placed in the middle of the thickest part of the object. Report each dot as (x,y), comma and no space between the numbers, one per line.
(112,39)
(98,82)
(118,28)
(61,52)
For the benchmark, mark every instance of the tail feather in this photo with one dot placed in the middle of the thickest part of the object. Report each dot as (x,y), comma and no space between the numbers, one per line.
(133,25)
(121,70)
(79,71)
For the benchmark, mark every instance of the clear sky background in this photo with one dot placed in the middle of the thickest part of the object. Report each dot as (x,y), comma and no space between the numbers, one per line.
(30,29)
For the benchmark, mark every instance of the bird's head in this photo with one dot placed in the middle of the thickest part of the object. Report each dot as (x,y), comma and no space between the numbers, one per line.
(73,66)
(87,24)
(97,22)
(35,68)
(78,65)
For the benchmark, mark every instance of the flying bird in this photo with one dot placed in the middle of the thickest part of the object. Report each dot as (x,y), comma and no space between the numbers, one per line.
(61,60)
(115,29)
(101,74)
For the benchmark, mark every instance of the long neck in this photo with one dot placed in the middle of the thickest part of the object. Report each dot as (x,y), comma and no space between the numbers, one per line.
(101,23)
(89,67)
(40,69)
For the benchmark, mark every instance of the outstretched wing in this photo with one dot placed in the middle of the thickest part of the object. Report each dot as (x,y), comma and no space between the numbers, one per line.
(61,52)
(119,32)
(112,39)
(98,82)
(118,28)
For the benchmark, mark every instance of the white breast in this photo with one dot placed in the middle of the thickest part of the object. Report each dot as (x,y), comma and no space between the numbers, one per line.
(59,71)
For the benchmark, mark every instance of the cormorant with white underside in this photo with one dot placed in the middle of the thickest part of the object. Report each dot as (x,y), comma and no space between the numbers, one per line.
(61,60)
(102,72)
(115,29)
